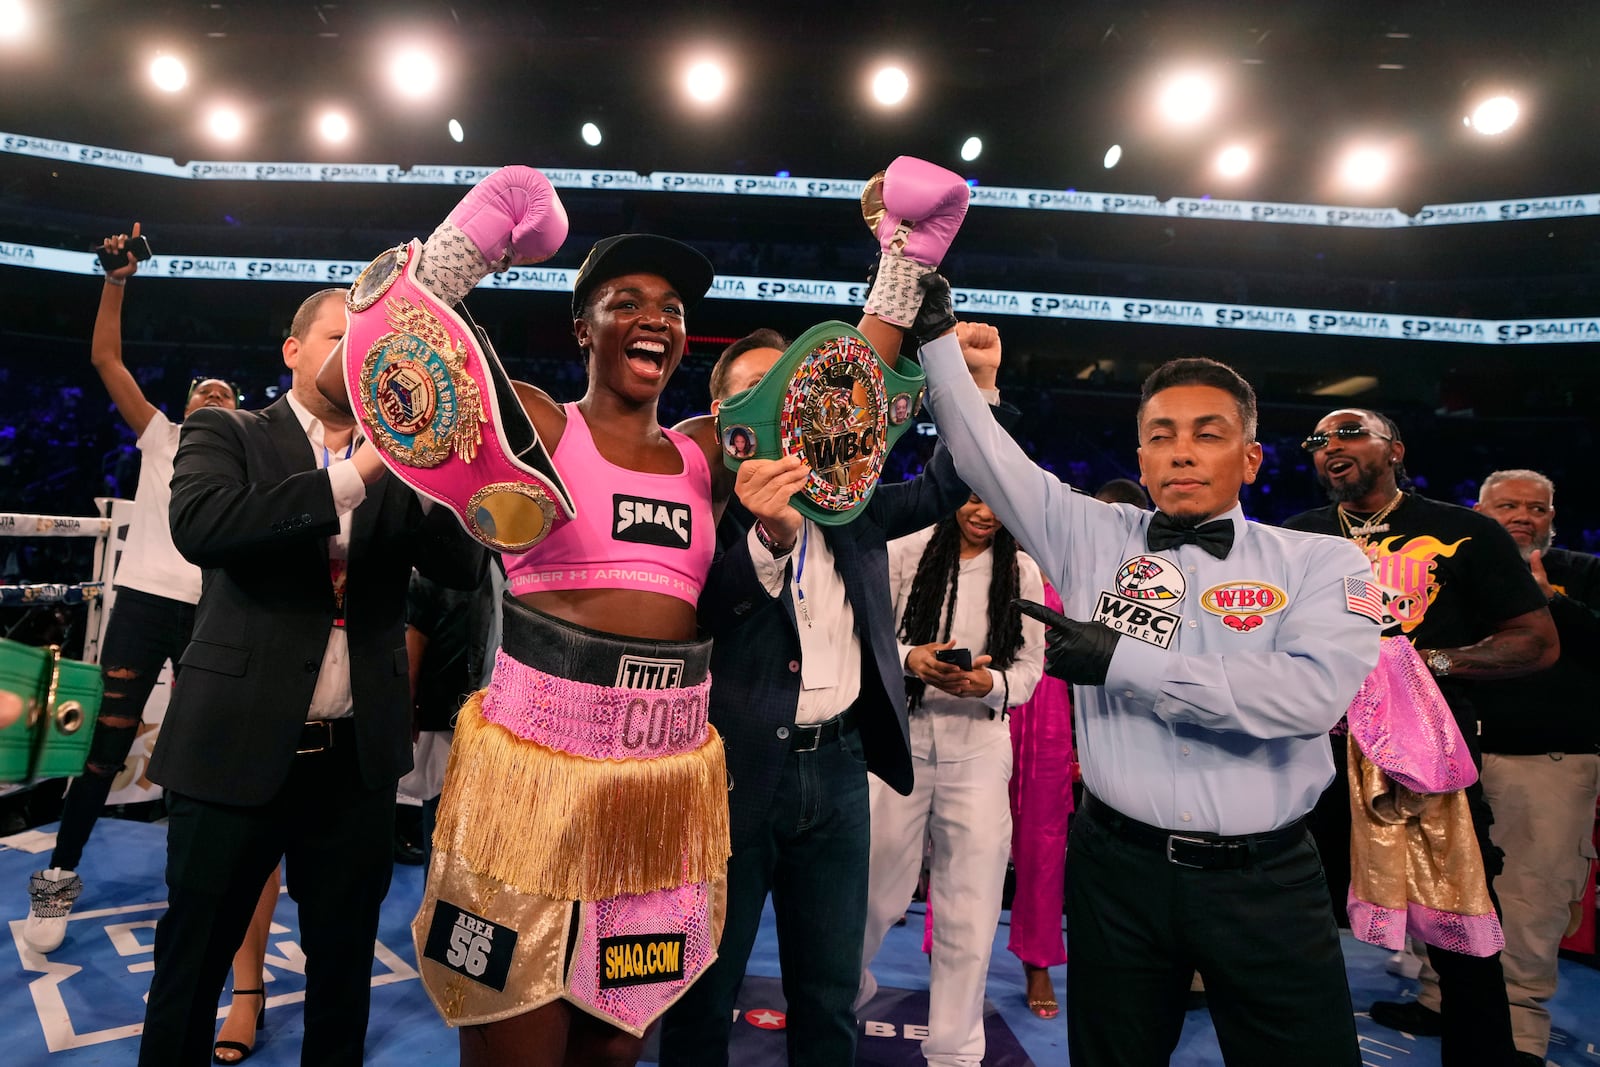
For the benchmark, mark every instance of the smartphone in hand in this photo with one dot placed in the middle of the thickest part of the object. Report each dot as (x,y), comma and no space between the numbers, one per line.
(960,657)
(138,247)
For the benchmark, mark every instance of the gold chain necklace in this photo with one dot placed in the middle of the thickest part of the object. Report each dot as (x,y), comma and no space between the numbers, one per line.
(1374,524)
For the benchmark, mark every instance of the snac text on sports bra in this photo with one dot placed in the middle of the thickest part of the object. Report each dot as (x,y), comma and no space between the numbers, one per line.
(634,530)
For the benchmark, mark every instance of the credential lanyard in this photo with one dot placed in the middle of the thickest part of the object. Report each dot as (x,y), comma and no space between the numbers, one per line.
(800,572)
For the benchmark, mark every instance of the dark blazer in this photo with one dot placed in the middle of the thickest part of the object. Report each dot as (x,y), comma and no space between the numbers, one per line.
(252,509)
(755,678)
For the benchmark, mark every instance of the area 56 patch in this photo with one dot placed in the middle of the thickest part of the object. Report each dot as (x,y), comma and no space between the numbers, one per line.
(470,945)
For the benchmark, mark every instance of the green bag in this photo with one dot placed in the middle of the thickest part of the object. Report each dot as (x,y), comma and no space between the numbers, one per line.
(60,701)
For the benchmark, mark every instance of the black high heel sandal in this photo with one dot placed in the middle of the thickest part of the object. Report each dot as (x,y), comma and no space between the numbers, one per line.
(245,1051)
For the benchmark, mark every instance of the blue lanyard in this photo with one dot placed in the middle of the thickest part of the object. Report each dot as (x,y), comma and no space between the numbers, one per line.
(350,449)
(800,572)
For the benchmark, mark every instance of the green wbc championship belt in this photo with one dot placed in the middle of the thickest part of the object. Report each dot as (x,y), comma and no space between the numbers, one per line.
(832,401)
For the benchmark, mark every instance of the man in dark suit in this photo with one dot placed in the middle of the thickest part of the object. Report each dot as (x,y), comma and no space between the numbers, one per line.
(809,695)
(291,726)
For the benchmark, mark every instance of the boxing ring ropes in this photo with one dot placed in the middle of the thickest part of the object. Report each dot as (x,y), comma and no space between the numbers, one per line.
(92,594)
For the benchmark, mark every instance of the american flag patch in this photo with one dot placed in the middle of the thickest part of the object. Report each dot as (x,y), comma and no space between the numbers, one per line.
(1364,598)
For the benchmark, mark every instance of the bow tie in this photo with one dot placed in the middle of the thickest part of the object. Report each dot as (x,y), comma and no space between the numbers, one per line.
(1216,537)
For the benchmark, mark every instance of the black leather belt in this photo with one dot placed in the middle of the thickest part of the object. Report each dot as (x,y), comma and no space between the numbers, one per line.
(322,735)
(1206,852)
(807,737)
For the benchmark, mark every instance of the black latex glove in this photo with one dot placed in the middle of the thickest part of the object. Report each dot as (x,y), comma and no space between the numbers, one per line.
(937,315)
(1076,652)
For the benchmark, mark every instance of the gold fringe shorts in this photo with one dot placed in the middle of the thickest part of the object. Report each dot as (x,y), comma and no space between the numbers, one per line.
(582,840)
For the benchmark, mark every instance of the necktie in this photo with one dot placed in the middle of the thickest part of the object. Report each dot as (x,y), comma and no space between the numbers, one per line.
(1216,537)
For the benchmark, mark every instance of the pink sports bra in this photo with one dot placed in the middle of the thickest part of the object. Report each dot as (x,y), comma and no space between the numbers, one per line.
(651,532)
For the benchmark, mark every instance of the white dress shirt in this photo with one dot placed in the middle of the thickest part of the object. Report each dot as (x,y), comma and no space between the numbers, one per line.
(830,651)
(331,699)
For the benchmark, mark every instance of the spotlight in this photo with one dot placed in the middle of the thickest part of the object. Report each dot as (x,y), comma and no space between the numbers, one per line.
(1113,156)
(1365,168)
(333,127)
(1234,161)
(972,148)
(15,21)
(414,73)
(1495,115)
(457,134)
(224,123)
(591,134)
(1187,99)
(705,81)
(169,73)
(890,85)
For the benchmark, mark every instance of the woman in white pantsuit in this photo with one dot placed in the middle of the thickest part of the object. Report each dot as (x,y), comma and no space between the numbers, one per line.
(953,586)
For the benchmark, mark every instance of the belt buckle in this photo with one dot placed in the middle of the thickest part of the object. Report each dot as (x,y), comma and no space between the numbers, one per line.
(814,735)
(327,737)
(1173,839)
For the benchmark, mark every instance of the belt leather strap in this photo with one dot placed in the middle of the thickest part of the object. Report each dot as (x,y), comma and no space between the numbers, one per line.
(1207,852)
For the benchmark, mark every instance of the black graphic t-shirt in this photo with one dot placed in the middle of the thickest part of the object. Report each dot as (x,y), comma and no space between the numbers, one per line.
(1449,575)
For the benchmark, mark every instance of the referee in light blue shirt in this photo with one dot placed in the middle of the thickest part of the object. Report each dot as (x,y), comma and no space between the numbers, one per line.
(1210,656)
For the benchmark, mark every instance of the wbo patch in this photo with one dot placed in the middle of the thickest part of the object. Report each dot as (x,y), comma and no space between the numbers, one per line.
(640,959)
(470,945)
(1140,621)
(1151,578)
(1244,598)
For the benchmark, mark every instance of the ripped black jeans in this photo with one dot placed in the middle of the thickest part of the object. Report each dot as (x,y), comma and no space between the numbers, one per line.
(144,632)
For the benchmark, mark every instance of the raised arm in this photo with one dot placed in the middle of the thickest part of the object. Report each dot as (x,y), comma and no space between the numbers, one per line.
(105,350)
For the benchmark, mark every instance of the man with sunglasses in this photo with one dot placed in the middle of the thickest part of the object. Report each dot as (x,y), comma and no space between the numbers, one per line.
(1453,583)
(150,623)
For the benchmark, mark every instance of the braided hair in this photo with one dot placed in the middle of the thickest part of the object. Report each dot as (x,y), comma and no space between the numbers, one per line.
(934,587)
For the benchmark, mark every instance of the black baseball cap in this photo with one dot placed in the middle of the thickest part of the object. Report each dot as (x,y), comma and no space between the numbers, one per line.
(684,268)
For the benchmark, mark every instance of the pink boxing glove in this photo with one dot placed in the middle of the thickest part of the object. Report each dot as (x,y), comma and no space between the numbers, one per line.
(915,208)
(512,216)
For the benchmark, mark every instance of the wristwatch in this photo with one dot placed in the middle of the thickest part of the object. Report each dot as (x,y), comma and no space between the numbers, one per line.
(1439,662)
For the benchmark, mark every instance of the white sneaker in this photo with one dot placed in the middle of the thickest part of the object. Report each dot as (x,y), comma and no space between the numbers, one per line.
(1403,964)
(51,895)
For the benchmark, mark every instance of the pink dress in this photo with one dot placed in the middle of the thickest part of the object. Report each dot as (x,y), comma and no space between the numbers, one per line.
(1041,800)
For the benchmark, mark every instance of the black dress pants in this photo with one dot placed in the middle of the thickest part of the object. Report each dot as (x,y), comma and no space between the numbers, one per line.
(336,837)
(1262,936)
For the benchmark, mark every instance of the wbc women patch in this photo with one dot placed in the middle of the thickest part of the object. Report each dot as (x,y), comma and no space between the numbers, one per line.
(1144,586)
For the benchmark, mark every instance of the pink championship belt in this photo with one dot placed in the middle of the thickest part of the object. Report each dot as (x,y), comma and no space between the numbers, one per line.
(431,395)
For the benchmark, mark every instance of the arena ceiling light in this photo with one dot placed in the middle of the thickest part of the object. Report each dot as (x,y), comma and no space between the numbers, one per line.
(457,134)
(971,148)
(1113,156)
(591,134)
(1235,161)
(16,21)
(1366,167)
(890,85)
(1188,98)
(415,72)
(333,127)
(225,123)
(1494,116)
(168,73)
(706,81)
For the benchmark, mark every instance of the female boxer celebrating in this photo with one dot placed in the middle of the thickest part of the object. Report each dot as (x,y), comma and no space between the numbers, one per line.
(582,836)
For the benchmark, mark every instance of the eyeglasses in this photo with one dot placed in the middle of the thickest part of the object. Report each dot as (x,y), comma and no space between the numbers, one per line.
(1319,440)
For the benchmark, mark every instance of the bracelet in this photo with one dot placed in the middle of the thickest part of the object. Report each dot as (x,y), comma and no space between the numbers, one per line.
(118,282)
(771,545)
